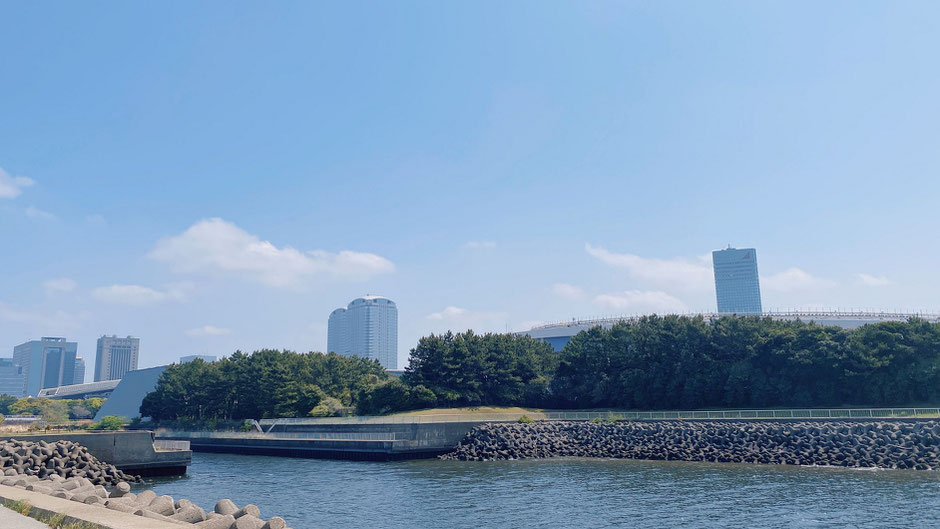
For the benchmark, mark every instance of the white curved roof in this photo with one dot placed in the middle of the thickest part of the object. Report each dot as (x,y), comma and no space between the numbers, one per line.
(371,298)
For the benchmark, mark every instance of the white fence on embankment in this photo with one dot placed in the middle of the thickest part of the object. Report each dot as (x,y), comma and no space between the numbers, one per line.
(814,413)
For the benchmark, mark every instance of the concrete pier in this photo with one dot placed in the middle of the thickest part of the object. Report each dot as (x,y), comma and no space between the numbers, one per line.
(130,451)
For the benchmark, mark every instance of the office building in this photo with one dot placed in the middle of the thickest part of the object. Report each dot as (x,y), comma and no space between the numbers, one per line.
(79,377)
(12,378)
(737,286)
(115,356)
(367,327)
(204,358)
(46,363)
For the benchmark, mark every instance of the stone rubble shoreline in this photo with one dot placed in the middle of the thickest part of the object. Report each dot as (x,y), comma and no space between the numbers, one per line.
(869,444)
(67,470)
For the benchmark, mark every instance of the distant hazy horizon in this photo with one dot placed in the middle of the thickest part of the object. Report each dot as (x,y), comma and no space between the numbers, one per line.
(219,176)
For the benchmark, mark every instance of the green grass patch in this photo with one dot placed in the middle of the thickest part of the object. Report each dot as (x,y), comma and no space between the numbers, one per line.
(56,521)
(21,506)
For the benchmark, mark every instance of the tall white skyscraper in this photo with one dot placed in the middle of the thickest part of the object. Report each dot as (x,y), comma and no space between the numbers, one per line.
(368,327)
(115,357)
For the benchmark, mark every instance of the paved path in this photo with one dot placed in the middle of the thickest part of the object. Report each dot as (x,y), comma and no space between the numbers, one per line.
(13,520)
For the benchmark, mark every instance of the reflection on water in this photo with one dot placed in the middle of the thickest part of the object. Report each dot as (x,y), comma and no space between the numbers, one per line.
(312,493)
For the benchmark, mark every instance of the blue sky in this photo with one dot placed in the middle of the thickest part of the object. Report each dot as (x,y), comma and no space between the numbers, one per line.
(216,176)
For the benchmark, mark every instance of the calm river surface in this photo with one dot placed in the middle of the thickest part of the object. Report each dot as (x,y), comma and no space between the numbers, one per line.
(312,493)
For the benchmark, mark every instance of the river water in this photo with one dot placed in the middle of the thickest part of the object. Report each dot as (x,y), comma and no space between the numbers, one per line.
(311,493)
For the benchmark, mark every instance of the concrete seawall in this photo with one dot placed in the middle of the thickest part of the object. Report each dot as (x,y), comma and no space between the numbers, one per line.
(378,442)
(130,451)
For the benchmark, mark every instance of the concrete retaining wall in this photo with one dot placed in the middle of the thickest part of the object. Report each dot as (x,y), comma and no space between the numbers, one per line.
(130,451)
(381,442)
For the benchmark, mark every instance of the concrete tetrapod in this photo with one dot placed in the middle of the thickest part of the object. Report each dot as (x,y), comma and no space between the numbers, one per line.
(872,443)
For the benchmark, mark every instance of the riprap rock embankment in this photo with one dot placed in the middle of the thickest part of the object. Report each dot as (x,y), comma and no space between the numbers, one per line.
(67,470)
(883,444)
(62,458)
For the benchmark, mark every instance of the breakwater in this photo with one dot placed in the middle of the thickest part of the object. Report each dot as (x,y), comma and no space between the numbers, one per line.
(67,470)
(882,444)
(130,451)
(62,458)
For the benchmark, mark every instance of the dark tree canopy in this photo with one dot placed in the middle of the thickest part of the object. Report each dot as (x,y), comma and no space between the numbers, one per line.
(675,362)
(669,362)
(267,383)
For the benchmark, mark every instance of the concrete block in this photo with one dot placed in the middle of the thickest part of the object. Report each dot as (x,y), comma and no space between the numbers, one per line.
(121,506)
(219,522)
(275,522)
(226,506)
(248,522)
(250,510)
(121,489)
(162,505)
(190,515)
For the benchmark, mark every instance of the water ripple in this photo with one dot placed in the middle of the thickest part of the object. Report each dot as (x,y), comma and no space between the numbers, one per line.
(583,493)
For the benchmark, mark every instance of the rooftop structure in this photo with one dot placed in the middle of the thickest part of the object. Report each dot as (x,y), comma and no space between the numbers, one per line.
(128,395)
(80,391)
(204,358)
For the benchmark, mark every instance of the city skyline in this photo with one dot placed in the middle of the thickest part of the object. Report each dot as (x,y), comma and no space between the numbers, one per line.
(492,180)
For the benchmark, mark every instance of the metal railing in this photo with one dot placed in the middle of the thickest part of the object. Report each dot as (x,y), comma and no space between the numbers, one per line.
(167,445)
(808,413)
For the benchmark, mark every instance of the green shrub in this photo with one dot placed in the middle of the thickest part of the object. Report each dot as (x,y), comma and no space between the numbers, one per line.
(597,420)
(246,426)
(525,419)
(328,407)
(108,422)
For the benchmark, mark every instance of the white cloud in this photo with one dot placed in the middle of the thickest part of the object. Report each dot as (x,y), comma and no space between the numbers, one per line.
(530,324)
(12,186)
(642,302)
(873,281)
(567,291)
(59,322)
(36,213)
(459,319)
(447,313)
(62,284)
(794,279)
(208,330)
(214,245)
(683,273)
(136,295)
(96,220)
(477,245)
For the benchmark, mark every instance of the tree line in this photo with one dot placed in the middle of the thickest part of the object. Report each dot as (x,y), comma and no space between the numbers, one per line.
(266,383)
(655,362)
(53,411)
(687,362)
